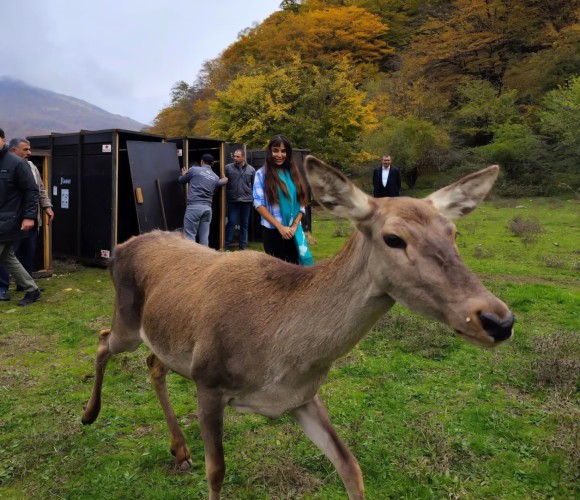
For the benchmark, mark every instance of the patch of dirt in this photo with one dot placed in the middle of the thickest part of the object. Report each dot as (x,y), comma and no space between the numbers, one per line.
(286,480)
(15,345)
(19,343)
(100,323)
(527,280)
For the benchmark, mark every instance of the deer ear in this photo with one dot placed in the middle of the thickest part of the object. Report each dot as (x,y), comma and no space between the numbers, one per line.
(463,197)
(335,192)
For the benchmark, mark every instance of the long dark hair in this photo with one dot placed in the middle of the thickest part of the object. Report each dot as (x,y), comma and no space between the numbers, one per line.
(272,179)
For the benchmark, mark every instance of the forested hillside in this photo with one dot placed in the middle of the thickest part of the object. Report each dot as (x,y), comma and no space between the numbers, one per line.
(439,84)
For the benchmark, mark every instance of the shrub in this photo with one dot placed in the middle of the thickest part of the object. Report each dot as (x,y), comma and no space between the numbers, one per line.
(516,149)
(482,253)
(416,145)
(342,228)
(528,230)
(553,261)
(557,363)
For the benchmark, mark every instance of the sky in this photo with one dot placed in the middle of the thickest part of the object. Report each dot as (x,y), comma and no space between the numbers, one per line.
(120,55)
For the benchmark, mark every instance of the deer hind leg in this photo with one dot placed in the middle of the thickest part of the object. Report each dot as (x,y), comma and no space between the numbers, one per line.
(313,419)
(211,423)
(158,372)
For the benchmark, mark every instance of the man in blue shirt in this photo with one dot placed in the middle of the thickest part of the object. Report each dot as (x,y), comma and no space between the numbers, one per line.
(202,186)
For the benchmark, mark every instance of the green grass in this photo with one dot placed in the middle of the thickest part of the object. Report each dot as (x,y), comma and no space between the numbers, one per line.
(427,415)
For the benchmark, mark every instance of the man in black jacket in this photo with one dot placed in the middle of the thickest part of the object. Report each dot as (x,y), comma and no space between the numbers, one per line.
(386,179)
(18,212)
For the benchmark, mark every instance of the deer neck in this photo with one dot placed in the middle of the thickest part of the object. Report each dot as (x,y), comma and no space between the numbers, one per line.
(351,302)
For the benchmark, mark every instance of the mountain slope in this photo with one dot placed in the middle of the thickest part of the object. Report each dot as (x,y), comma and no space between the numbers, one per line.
(27,110)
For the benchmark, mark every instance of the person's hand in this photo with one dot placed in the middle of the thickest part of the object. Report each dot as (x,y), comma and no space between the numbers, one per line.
(50,214)
(183,170)
(287,232)
(27,224)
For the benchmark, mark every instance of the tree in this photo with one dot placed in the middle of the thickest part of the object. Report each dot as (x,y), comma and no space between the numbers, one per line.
(320,36)
(481,110)
(186,115)
(254,105)
(516,149)
(559,114)
(479,38)
(415,145)
(331,114)
(318,109)
(543,70)
(394,95)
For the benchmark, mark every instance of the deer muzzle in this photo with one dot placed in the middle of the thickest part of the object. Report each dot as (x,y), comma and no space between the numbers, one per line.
(498,329)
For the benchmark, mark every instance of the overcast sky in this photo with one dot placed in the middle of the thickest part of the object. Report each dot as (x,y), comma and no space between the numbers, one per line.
(121,55)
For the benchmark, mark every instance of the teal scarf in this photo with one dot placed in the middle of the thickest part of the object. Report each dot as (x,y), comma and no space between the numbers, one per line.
(290,207)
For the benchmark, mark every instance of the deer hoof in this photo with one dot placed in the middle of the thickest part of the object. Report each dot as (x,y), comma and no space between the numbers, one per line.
(184,465)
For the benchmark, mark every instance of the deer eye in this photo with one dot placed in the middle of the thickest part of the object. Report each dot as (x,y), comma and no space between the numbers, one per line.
(394,241)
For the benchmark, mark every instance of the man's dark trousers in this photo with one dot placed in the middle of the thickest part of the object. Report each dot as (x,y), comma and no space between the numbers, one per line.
(25,251)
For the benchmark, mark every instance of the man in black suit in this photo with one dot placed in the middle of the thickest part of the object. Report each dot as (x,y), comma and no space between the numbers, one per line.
(386,179)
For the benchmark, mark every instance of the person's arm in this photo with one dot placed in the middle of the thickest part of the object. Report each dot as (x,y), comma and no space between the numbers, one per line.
(298,219)
(223,181)
(260,206)
(29,191)
(375,187)
(186,175)
(43,197)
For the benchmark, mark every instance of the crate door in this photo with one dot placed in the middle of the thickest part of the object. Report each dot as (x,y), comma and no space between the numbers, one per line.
(159,198)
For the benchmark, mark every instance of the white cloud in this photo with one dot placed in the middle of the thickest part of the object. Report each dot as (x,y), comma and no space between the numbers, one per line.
(121,55)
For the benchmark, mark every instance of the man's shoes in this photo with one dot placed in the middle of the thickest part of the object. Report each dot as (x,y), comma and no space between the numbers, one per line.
(30,297)
(4,295)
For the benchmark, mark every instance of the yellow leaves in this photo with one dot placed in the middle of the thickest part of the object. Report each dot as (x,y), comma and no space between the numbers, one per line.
(250,103)
(318,36)
(171,121)
(477,37)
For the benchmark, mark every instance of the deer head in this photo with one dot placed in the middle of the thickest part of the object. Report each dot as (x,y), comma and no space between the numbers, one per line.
(412,255)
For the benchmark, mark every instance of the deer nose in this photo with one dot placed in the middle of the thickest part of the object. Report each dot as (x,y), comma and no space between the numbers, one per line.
(499,329)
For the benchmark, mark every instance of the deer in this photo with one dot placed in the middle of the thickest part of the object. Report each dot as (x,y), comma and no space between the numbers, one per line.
(260,334)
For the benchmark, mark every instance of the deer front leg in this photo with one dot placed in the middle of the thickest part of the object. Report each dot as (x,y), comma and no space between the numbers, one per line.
(103,354)
(313,419)
(211,422)
(158,372)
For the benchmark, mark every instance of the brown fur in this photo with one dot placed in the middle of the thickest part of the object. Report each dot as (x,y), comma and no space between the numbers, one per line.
(260,334)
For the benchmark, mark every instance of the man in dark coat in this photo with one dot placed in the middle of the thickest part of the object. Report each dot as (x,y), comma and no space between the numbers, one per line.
(240,198)
(386,179)
(18,212)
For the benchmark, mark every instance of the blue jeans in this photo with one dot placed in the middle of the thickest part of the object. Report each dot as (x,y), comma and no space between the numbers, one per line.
(196,223)
(238,214)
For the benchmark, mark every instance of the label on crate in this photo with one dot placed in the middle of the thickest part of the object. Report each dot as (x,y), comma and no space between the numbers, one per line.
(64,198)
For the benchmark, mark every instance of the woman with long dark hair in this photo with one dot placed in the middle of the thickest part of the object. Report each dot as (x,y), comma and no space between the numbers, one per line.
(280,197)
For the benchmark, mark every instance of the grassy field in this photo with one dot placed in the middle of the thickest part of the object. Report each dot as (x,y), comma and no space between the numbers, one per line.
(427,415)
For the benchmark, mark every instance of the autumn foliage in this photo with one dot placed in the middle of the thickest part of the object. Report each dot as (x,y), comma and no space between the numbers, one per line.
(440,81)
